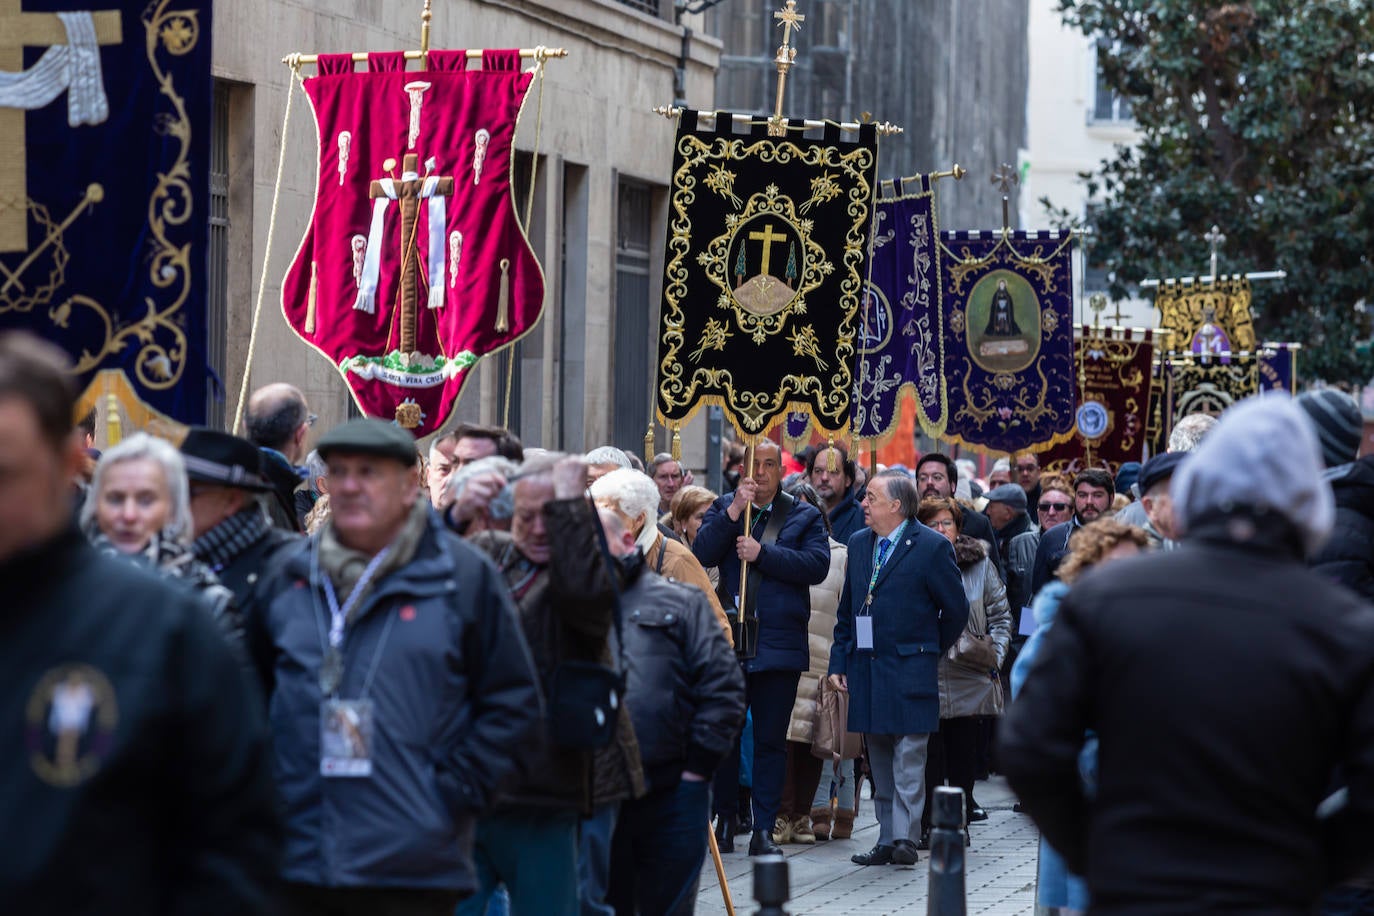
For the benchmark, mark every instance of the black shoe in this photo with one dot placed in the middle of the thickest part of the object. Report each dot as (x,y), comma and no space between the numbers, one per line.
(1018,809)
(725,838)
(925,839)
(878,855)
(904,853)
(762,844)
(977,814)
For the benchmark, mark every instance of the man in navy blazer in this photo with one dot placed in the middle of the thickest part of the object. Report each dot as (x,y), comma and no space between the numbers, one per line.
(785,570)
(903,605)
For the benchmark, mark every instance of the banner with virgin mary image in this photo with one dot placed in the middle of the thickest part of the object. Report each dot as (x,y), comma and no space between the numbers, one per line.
(1008,339)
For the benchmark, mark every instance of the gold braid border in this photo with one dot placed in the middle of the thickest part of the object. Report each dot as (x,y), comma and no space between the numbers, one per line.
(161,361)
(748,409)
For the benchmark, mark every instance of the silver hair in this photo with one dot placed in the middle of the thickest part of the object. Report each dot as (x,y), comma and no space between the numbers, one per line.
(503,505)
(608,454)
(141,446)
(317,467)
(538,464)
(903,489)
(1187,435)
(637,496)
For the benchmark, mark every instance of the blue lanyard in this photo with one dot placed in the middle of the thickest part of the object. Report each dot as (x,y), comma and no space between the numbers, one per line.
(880,556)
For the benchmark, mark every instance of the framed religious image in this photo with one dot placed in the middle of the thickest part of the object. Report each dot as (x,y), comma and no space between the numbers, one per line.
(1003,323)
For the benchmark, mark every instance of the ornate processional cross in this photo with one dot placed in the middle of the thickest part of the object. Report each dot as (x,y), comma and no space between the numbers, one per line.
(408,194)
(19,30)
(1215,239)
(789,19)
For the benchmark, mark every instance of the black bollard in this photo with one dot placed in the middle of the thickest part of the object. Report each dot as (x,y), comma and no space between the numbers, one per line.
(945,896)
(771,885)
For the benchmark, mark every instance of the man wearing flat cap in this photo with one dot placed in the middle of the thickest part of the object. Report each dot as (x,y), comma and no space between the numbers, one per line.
(1154,481)
(233,534)
(401,687)
(1007,511)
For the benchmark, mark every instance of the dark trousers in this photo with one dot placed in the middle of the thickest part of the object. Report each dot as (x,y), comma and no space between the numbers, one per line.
(309,900)
(658,851)
(803,778)
(769,695)
(951,758)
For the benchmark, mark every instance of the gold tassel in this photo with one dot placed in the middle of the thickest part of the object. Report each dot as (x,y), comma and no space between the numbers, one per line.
(832,457)
(310,303)
(649,444)
(503,303)
(113,425)
(677,442)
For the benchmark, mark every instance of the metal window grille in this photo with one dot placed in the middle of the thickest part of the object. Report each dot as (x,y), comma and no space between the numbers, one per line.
(644,6)
(217,310)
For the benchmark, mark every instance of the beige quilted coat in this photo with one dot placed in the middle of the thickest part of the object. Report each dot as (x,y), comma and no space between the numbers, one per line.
(825,600)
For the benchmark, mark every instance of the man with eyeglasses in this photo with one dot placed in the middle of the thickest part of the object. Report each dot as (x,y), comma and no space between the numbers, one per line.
(1026,470)
(1093,490)
(936,477)
(278,421)
(669,476)
(466,444)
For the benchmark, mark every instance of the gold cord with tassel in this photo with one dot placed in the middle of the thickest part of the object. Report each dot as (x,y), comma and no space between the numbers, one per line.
(677,442)
(832,457)
(649,444)
(503,303)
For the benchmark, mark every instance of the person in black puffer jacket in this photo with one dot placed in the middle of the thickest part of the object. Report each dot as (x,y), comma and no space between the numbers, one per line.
(685,694)
(1348,558)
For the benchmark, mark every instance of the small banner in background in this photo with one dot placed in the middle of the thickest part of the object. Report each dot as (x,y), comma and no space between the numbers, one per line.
(767,254)
(1008,339)
(1113,405)
(104,195)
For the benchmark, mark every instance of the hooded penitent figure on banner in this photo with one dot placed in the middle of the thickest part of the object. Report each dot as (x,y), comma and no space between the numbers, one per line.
(414,264)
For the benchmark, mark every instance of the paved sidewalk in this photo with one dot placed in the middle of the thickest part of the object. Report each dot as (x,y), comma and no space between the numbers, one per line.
(1000,870)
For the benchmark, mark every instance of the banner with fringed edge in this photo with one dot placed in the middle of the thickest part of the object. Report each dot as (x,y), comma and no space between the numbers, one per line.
(767,254)
(901,338)
(1008,338)
(1112,416)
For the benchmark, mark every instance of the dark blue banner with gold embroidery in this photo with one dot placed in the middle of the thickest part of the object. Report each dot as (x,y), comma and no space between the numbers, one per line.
(104,190)
(767,253)
(901,337)
(1008,339)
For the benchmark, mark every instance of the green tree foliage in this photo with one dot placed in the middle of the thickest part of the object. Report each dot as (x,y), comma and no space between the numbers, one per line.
(1259,117)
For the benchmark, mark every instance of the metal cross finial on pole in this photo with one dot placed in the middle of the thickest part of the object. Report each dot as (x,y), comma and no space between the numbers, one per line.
(1006,178)
(426,16)
(1216,238)
(789,19)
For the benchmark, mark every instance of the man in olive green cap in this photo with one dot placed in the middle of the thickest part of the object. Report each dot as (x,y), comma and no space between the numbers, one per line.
(401,685)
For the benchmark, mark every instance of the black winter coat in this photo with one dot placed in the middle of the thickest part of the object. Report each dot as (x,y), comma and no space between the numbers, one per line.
(685,689)
(1226,683)
(1348,558)
(163,801)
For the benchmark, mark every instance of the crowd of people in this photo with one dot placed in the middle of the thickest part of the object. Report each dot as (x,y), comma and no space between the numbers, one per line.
(250,677)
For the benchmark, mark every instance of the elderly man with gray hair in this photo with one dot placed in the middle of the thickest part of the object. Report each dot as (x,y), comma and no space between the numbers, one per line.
(633,496)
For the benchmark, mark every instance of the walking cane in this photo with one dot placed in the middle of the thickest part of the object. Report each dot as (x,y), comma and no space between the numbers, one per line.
(720,871)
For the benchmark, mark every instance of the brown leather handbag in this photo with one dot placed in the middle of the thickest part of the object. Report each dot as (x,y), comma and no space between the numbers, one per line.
(831,738)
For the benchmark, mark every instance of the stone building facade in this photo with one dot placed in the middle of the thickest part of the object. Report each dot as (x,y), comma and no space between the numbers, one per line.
(582,377)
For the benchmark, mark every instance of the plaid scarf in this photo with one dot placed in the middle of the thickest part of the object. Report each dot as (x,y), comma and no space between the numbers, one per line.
(221,544)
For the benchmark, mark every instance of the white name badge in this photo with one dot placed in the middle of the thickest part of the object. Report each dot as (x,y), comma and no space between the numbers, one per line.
(863,632)
(1027,626)
(346,734)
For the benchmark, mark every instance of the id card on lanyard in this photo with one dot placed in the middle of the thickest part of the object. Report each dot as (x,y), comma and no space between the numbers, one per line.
(863,621)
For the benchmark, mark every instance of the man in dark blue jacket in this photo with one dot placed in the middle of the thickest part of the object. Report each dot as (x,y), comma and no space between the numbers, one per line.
(788,551)
(403,690)
(831,472)
(902,606)
(1093,490)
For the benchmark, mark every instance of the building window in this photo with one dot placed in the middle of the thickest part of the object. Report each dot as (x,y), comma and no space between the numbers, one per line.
(217,311)
(1107,106)
(632,379)
(644,6)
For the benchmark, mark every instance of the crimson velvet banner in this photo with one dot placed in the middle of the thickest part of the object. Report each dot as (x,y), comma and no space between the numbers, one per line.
(414,264)
(1113,405)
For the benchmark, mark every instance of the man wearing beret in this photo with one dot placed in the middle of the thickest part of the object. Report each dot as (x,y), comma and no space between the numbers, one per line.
(400,688)
(233,534)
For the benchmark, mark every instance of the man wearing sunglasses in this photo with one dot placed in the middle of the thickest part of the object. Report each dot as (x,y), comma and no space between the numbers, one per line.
(1093,490)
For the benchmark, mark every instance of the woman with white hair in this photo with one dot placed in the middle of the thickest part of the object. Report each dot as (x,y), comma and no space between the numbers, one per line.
(140,507)
(634,496)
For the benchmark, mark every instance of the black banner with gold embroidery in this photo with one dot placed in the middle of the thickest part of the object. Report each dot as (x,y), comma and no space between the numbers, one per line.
(1203,383)
(1008,338)
(105,193)
(767,255)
